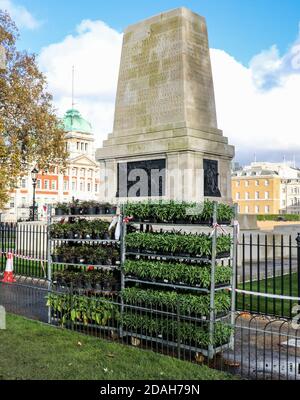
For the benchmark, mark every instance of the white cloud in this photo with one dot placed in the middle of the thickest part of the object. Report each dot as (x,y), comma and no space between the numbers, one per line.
(270,69)
(95,52)
(266,68)
(22,17)
(255,120)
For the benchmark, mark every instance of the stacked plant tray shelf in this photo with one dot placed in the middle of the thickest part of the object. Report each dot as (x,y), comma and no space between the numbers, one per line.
(177,275)
(83,266)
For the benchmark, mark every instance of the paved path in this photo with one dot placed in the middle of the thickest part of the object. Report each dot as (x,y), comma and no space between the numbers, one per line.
(264,350)
(27,300)
(263,269)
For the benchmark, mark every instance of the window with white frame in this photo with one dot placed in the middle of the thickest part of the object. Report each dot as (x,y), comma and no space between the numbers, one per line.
(66,185)
(247,210)
(74,186)
(23,183)
(267,182)
(88,187)
(256,209)
(238,183)
(256,195)
(256,183)
(246,183)
(53,185)
(96,187)
(39,184)
(247,196)
(267,209)
(267,195)
(46,184)
(238,196)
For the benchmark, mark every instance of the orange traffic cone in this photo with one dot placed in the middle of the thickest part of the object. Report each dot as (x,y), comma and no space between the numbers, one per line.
(9,270)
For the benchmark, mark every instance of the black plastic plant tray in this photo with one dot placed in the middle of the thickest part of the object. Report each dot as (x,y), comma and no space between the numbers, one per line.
(168,257)
(163,342)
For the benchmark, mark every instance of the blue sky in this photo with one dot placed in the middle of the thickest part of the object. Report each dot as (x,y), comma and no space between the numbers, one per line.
(240,27)
(255,53)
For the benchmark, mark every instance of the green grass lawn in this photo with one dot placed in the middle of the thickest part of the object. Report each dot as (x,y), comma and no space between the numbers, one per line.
(287,286)
(31,350)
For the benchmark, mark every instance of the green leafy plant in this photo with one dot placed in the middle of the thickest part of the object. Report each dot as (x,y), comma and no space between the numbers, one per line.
(168,329)
(224,243)
(225,213)
(90,207)
(186,303)
(61,208)
(87,254)
(177,273)
(140,211)
(89,203)
(57,231)
(82,228)
(178,212)
(176,243)
(76,278)
(75,207)
(85,310)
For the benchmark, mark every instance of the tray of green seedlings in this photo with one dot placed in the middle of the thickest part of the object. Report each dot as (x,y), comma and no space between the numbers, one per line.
(86,208)
(172,212)
(177,274)
(176,244)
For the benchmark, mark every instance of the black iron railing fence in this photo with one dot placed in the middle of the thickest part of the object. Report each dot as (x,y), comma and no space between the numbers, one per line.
(260,348)
(262,341)
(268,270)
(268,274)
(29,245)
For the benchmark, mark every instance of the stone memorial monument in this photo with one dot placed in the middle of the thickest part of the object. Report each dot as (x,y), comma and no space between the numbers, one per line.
(165,141)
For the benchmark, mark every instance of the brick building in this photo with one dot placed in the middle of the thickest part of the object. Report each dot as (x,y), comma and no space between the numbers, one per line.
(81,179)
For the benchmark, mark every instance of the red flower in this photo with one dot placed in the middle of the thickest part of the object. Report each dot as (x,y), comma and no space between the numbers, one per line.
(127,219)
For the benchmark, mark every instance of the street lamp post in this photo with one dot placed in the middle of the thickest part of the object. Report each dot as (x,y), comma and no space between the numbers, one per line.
(34,174)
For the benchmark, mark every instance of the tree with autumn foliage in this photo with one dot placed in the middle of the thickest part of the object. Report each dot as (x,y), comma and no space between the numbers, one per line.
(30,132)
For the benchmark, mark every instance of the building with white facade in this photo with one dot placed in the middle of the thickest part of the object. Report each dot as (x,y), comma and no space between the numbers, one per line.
(81,179)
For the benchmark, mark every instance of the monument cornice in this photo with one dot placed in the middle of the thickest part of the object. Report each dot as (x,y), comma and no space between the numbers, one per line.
(159,146)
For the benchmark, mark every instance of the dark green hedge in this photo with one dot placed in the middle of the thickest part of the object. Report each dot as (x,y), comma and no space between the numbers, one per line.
(277,217)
